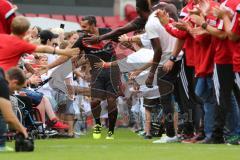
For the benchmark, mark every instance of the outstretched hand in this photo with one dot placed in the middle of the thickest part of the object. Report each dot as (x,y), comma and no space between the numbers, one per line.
(99,64)
(168,66)
(91,40)
(183,25)
(198,20)
(123,38)
(35,79)
(42,70)
(220,12)
(198,31)
(134,74)
(205,7)
(149,81)
(70,52)
(162,16)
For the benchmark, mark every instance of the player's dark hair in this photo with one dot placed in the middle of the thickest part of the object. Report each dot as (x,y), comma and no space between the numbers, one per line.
(91,20)
(16,74)
(154,2)
(143,5)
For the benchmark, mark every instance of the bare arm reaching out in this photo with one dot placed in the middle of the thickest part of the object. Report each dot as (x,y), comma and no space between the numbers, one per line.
(9,116)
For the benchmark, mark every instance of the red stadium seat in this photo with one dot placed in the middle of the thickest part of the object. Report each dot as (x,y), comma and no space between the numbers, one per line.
(44,15)
(71,18)
(100,22)
(58,16)
(113,22)
(130,12)
(79,18)
(30,15)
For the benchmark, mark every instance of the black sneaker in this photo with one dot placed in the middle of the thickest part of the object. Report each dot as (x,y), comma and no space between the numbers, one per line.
(147,137)
(110,135)
(211,141)
(233,140)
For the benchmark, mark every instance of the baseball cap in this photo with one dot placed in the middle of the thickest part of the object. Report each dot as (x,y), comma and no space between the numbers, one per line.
(46,35)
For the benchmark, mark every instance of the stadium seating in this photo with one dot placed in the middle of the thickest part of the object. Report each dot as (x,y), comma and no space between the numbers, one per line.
(71,18)
(30,15)
(44,15)
(107,21)
(100,22)
(79,18)
(58,16)
(113,21)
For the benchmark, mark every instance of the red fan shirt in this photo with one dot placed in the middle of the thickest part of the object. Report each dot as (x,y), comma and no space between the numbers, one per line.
(11,49)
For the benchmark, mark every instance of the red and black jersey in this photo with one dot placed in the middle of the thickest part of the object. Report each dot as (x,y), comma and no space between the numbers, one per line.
(103,50)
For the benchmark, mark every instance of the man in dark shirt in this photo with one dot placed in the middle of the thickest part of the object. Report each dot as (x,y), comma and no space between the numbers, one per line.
(104,82)
(4,86)
(4,93)
(6,114)
(144,10)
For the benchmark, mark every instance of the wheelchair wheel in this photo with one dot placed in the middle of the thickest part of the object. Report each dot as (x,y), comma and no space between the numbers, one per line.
(19,115)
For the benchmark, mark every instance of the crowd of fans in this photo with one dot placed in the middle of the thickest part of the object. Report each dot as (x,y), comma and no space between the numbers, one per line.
(180,83)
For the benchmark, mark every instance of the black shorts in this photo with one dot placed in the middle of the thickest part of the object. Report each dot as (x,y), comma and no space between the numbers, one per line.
(105,83)
(151,103)
(166,81)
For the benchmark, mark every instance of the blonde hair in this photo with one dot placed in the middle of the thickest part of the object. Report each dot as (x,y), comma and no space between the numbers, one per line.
(63,45)
(57,31)
(20,25)
(60,33)
(68,35)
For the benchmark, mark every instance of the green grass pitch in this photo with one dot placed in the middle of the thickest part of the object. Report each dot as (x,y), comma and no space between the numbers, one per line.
(126,146)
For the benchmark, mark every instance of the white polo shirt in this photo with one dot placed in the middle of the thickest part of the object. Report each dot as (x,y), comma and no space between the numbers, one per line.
(154,29)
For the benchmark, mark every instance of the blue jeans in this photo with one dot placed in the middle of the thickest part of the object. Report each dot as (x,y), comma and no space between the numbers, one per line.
(205,90)
(233,118)
(3,129)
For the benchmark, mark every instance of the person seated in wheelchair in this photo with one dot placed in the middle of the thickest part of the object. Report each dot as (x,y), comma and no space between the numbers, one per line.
(37,99)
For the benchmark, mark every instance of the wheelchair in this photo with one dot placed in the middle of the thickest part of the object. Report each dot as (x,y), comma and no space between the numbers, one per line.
(30,117)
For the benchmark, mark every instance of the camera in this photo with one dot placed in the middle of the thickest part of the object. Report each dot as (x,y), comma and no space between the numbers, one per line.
(23,144)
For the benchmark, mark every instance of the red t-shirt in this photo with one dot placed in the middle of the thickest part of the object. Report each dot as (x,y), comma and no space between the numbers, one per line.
(204,56)
(236,46)
(11,49)
(188,45)
(223,53)
(189,50)
(6,16)
(204,49)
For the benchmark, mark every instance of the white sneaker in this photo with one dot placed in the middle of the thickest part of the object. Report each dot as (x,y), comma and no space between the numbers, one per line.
(51,132)
(6,149)
(141,133)
(167,140)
